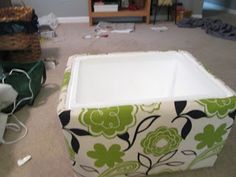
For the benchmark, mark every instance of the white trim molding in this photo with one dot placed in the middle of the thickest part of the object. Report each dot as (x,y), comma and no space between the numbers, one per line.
(82,19)
(197,15)
(231,11)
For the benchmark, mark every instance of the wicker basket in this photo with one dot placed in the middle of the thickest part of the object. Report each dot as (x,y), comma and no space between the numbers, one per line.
(16,41)
(32,53)
(15,14)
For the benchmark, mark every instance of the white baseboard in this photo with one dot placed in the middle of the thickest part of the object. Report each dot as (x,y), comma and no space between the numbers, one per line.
(231,11)
(82,19)
(161,17)
(197,15)
(85,19)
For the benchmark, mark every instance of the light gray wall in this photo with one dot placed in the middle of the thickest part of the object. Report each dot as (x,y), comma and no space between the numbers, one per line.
(195,5)
(61,8)
(232,4)
(68,8)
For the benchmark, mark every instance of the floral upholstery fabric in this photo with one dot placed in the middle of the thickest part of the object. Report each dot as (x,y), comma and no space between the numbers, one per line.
(139,140)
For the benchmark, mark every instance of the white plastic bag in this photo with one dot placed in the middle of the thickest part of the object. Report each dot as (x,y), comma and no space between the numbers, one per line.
(7,95)
(48,20)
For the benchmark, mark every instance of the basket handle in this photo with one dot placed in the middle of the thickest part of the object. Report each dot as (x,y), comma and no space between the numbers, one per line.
(44,75)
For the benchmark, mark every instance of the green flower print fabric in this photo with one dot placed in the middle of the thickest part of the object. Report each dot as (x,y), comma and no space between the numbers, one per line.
(150,108)
(161,141)
(108,121)
(219,107)
(106,157)
(121,169)
(210,136)
(70,150)
(66,79)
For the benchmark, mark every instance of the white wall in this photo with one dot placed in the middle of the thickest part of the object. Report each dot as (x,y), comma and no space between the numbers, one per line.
(61,8)
(195,5)
(68,8)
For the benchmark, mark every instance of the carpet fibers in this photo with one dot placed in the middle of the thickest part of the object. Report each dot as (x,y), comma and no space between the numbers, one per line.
(45,142)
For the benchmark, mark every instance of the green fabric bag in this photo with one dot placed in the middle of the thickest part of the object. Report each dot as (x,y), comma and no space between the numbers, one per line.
(11,73)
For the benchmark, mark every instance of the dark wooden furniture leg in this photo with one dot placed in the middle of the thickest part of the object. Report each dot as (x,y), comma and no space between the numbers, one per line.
(168,13)
(155,12)
(176,2)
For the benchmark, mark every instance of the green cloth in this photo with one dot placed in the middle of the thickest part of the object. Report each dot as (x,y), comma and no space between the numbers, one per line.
(19,81)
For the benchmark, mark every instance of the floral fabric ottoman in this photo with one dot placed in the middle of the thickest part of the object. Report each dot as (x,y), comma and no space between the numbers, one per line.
(137,139)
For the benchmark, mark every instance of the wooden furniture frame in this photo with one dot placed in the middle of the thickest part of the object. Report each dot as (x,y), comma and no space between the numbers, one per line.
(121,13)
(174,7)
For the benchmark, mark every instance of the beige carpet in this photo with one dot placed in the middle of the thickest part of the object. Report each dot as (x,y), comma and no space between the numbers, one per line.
(45,139)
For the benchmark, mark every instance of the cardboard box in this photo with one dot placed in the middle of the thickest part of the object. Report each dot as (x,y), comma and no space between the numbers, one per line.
(183,14)
(105,7)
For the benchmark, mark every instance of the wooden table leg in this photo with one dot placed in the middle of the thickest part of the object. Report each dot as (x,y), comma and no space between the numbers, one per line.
(155,12)
(176,2)
(90,12)
(168,13)
(148,10)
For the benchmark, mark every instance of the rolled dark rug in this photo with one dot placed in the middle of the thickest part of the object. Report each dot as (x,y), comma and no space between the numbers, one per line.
(214,27)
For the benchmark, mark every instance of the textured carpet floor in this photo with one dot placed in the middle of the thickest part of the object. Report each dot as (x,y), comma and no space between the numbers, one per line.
(45,139)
